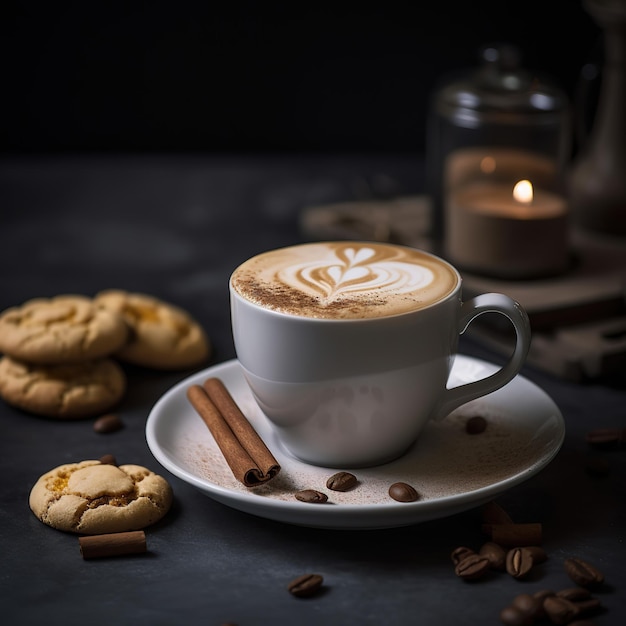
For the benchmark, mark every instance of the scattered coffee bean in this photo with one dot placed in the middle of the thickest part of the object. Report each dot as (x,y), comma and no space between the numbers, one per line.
(541,595)
(586,606)
(108,459)
(475,425)
(574,594)
(496,555)
(607,438)
(107,424)
(342,481)
(306,585)
(458,554)
(519,562)
(526,609)
(403,492)
(528,605)
(472,567)
(512,616)
(560,610)
(580,603)
(583,573)
(311,495)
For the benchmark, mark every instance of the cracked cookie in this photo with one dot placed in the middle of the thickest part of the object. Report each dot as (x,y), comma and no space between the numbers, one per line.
(62,329)
(162,336)
(93,498)
(68,391)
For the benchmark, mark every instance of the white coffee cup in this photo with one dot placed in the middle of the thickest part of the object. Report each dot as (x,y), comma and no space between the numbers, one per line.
(348,346)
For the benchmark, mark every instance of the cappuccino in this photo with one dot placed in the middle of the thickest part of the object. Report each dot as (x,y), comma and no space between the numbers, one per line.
(344,280)
(347,346)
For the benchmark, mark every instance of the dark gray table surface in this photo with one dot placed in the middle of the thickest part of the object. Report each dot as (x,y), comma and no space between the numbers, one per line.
(175,227)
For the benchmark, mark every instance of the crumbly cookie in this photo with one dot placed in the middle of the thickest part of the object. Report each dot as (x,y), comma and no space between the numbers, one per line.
(162,336)
(63,329)
(92,498)
(67,391)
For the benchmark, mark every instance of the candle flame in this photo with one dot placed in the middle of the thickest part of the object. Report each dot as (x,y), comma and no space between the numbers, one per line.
(523,192)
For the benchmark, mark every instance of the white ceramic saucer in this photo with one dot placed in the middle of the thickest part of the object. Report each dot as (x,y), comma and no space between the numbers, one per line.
(452,470)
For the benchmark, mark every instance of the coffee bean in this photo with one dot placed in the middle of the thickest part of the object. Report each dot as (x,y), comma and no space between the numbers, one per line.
(560,610)
(541,595)
(496,555)
(519,562)
(403,492)
(528,605)
(475,425)
(583,573)
(472,567)
(342,481)
(512,616)
(574,593)
(580,598)
(458,554)
(107,424)
(311,495)
(586,606)
(108,459)
(306,585)
(606,438)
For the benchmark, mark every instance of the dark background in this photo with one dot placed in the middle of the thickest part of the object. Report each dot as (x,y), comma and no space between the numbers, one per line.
(257,77)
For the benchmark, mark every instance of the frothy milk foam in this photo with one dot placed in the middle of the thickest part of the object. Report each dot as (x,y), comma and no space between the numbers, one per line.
(344,280)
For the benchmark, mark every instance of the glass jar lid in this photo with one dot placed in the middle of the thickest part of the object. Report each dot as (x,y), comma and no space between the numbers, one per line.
(500,91)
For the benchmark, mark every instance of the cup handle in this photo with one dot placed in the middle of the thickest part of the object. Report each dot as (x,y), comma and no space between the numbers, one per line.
(470,310)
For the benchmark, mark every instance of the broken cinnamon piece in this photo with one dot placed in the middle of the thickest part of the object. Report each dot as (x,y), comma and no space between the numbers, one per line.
(112,544)
(245,452)
(516,535)
(493,513)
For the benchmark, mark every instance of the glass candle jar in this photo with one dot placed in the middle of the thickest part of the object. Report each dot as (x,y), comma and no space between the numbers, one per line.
(498,144)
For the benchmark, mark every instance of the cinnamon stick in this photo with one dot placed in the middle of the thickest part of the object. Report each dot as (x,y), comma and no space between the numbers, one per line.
(245,452)
(516,535)
(112,544)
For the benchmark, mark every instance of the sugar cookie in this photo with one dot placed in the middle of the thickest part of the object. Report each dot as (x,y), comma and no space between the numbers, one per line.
(93,498)
(63,329)
(162,336)
(68,391)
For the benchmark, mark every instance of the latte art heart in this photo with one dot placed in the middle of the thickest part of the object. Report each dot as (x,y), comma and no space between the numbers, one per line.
(352,271)
(344,280)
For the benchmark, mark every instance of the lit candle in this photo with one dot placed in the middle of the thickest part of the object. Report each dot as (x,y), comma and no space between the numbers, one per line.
(510,231)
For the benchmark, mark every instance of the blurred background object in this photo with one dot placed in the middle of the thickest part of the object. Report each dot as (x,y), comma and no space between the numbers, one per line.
(499,142)
(598,181)
(246,76)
